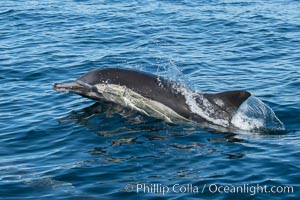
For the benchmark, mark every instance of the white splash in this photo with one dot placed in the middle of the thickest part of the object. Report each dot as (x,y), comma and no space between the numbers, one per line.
(254,114)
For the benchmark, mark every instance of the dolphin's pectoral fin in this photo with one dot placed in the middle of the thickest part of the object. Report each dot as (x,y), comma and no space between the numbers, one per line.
(228,101)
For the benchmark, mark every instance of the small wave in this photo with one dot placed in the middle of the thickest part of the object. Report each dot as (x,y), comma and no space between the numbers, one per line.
(253,114)
(7,11)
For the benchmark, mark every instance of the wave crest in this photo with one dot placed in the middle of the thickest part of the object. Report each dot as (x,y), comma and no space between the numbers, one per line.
(254,114)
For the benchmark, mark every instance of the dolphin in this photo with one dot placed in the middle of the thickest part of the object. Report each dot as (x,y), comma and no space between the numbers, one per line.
(164,99)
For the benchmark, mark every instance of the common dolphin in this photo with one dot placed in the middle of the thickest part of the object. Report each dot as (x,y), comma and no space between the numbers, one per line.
(161,98)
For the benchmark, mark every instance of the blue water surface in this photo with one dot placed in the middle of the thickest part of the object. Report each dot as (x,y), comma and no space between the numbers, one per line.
(63,146)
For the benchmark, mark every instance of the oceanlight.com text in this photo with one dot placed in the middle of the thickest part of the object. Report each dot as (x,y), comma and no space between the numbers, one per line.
(251,189)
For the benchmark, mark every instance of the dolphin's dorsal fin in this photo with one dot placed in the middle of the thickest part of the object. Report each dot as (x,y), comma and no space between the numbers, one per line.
(228,101)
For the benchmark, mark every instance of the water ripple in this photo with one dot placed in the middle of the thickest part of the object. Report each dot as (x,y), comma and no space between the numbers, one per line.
(67,147)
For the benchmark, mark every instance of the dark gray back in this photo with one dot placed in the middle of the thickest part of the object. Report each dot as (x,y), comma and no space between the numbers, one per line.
(145,84)
(163,91)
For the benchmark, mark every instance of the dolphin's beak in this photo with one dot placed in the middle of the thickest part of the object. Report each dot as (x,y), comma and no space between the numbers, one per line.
(79,87)
(74,87)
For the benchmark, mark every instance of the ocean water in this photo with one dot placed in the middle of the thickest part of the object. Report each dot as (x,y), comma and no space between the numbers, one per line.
(63,146)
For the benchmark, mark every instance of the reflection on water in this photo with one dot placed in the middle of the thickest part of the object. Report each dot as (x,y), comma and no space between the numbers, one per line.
(125,128)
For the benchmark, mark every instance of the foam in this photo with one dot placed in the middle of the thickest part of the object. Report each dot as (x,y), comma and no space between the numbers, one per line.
(254,114)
